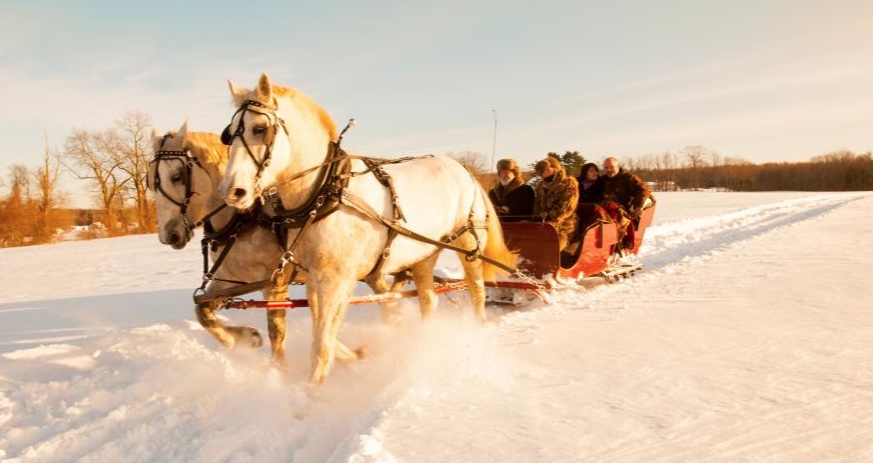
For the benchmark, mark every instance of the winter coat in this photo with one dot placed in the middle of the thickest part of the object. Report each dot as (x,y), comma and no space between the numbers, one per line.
(590,192)
(625,189)
(556,200)
(517,196)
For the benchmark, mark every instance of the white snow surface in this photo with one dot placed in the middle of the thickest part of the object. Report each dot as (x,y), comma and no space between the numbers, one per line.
(747,338)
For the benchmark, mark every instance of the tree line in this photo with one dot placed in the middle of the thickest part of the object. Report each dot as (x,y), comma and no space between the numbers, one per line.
(696,167)
(113,163)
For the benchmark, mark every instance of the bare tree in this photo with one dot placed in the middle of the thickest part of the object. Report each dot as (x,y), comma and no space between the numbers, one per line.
(668,160)
(17,222)
(474,162)
(48,197)
(715,158)
(696,156)
(133,160)
(95,157)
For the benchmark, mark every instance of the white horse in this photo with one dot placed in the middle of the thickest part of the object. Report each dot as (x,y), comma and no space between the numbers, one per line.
(185,175)
(343,211)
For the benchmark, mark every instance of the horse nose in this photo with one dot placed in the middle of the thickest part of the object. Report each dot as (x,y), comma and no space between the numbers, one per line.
(238,193)
(174,238)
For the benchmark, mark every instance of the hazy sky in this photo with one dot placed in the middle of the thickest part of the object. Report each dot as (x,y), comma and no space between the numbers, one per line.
(763,80)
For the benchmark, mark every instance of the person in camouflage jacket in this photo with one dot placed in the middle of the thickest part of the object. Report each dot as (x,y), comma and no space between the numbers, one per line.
(556,197)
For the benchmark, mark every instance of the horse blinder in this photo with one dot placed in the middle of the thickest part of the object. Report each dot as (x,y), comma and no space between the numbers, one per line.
(226,137)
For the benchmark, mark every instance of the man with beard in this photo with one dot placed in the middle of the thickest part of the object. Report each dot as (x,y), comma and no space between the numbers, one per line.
(624,195)
(511,196)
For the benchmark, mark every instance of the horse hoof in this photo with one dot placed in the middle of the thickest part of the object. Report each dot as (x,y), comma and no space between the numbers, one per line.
(281,366)
(246,336)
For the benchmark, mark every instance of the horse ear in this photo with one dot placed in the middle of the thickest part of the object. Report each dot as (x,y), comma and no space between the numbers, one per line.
(156,139)
(265,88)
(183,131)
(237,93)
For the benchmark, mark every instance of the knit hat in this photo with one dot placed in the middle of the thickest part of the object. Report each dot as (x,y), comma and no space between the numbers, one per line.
(507,164)
(548,162)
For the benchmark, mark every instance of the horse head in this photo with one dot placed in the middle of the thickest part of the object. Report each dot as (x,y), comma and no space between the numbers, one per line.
(275,133)
(184,175)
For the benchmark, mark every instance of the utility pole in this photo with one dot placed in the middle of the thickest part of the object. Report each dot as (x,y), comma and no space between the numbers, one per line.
(494,144)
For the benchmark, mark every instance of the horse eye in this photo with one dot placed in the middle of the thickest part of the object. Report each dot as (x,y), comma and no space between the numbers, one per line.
(176,178)
(259,129)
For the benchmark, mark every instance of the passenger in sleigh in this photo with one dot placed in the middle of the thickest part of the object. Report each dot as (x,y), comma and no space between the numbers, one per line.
(557,195)
(590,195)
(512,198)
(624,196)
(590,184)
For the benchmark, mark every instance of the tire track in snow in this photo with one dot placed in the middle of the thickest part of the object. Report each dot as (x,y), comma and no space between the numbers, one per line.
(664,245)
(672,242)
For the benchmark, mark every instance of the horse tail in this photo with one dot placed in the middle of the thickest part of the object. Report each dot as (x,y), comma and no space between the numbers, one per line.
(495,245)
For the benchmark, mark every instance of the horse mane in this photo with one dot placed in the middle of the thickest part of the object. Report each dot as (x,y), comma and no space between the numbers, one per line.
(208,148)
(300,99)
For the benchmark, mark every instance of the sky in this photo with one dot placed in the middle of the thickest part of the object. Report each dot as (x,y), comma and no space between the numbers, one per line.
(730,346)
(763,80)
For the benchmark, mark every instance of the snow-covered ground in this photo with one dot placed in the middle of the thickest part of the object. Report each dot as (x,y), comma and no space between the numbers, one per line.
(748,338)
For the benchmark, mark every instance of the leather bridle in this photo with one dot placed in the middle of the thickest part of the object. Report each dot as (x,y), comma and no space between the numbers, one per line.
(269,134)
(189,162)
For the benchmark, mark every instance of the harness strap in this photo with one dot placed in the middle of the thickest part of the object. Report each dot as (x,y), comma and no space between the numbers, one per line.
(288,255)
(377,269)
(387,182)
(209,273)
(329,180)
(353,202)
(205,219)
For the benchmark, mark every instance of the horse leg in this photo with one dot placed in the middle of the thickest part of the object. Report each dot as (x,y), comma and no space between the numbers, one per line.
(473,275)
(276,323)
(228,336)
(390,310)
(328,300)
(422,275)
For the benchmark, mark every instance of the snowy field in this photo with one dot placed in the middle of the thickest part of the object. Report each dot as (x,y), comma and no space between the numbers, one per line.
(748,338)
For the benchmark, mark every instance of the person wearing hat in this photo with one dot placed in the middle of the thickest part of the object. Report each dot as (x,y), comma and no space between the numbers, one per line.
(511,196)
(556,197)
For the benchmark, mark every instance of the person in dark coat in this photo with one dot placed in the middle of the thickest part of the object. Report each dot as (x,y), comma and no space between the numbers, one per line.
(590,194)
(511,196)
(590,184)
(624,195)
(623,188)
